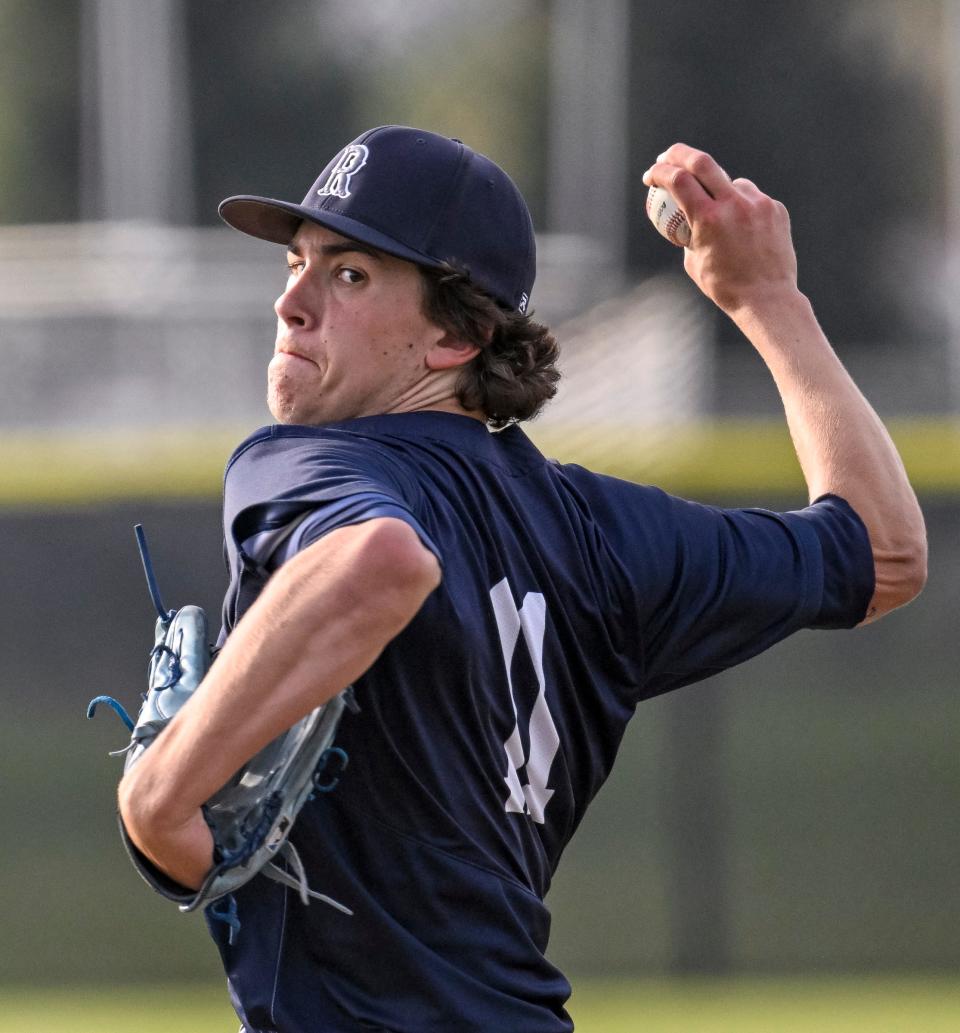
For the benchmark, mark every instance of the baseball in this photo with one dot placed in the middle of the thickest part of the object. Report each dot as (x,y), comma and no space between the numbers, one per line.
(667,217)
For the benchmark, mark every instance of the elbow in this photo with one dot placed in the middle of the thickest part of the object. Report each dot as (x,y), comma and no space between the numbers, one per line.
(172,836)
(911,579)
(145,804)
(139,808)
(137,818)
(901,575)
(917,579)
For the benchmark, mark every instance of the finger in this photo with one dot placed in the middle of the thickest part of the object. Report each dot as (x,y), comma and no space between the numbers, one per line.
(699,164)
(758,199)
(682,186)
(747,187)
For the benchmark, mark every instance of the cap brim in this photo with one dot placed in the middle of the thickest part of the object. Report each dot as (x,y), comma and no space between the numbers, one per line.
(278,221)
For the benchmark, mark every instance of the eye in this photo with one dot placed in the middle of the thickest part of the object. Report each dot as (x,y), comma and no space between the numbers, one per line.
(347,274)
(294,268)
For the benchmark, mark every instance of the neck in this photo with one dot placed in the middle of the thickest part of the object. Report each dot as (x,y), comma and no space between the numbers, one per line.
(436,393)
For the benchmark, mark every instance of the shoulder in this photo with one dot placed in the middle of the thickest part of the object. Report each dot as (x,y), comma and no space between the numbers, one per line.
(623,508)
(274,442)
(281,472)
(277,457)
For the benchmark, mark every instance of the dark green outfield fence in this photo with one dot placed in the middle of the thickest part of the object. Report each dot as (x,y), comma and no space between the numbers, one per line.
(798,813)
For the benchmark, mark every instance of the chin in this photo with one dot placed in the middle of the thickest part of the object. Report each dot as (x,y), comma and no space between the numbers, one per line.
(287,412)
(284,409)
(284,402)
(291,407)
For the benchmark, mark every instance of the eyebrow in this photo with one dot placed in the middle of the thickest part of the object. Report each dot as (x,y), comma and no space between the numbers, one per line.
(339,249)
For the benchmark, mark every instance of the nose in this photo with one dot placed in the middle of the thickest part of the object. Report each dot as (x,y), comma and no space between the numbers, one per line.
(296,306)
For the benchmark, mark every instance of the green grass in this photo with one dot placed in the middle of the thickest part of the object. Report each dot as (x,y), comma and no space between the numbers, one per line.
(179,1009)
(797,1005)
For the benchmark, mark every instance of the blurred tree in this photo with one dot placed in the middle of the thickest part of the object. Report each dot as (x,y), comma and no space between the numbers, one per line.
(799,97)
(39,110)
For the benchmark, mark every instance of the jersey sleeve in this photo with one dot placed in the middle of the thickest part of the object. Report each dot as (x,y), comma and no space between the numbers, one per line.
(289,491)
(273,549)
(729,583)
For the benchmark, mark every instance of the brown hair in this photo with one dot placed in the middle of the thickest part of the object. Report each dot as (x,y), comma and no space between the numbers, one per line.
(515,373)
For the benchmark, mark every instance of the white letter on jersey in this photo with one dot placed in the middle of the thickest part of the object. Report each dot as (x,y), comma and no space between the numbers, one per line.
(544,741)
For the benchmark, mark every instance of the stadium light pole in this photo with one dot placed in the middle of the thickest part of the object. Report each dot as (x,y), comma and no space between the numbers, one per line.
(135,138)
(587,188)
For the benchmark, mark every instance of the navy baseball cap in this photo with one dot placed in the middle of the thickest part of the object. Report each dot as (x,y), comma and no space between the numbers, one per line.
(416,195)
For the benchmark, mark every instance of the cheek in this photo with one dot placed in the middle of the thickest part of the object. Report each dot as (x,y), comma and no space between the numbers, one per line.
(402,316)
(402,354)
(408,340)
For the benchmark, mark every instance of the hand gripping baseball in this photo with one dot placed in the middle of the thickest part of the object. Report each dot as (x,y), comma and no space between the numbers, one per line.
(741,252)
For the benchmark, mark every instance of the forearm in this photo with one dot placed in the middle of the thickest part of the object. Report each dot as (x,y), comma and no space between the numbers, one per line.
(318,625)
(842,445)
(741,256)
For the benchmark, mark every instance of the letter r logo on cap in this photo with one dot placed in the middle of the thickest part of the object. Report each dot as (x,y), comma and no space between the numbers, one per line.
(351,161)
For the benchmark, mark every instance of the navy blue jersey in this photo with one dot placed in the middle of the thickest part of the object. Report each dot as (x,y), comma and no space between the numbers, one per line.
(488,725)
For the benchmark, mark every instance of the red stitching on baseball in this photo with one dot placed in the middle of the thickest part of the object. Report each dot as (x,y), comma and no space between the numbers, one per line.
(674,223)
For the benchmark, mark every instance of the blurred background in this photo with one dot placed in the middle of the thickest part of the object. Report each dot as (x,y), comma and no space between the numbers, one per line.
(796,817)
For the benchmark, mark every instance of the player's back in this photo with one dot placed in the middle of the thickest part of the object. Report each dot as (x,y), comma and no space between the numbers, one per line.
(484,727)
(489,723)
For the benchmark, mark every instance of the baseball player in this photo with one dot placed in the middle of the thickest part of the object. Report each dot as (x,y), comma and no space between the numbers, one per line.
(499,615)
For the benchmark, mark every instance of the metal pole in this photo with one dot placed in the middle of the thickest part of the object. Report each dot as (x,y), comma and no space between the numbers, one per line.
(136,147)
(587,186)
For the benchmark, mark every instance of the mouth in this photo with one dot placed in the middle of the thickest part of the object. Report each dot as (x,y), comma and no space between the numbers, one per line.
(291,353)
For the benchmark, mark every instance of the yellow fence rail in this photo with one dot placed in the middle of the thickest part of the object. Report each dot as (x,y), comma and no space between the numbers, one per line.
(722,458)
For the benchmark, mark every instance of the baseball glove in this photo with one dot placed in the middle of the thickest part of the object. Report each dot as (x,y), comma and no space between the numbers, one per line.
(250,817)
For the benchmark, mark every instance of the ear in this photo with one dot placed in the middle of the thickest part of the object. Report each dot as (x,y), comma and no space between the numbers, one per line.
(450,352)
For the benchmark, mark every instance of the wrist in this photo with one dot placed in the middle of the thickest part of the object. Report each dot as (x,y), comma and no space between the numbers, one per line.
(769,308)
